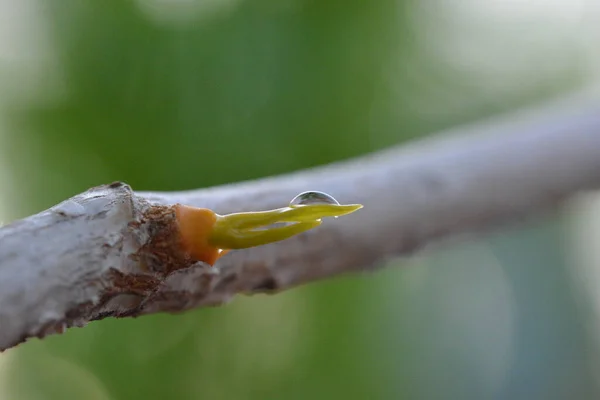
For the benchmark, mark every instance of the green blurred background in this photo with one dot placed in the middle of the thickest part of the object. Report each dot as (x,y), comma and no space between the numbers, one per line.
(180,94)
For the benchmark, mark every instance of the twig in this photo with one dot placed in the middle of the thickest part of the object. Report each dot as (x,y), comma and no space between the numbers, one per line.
(114,252)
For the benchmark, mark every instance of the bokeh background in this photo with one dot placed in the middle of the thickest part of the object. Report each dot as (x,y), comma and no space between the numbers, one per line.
(179,94)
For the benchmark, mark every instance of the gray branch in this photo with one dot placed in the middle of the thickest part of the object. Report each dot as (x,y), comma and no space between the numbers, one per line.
(112,252)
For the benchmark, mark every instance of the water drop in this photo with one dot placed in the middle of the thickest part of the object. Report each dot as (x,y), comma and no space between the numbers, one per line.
(313,197)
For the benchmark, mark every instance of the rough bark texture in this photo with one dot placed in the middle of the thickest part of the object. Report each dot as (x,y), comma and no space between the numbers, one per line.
(113,252)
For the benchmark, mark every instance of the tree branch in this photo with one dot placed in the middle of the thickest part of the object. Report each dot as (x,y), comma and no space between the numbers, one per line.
(114,252)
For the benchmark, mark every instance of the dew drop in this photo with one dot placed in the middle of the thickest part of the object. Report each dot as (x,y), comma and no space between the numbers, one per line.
(313,197)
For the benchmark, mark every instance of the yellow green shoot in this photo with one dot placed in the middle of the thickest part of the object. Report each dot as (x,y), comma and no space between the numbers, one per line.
(250,229)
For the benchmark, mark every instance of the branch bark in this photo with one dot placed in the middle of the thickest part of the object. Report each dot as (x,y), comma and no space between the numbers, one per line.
(113,252)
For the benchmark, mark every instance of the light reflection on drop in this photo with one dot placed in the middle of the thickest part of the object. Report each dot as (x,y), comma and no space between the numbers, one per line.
(313,197)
